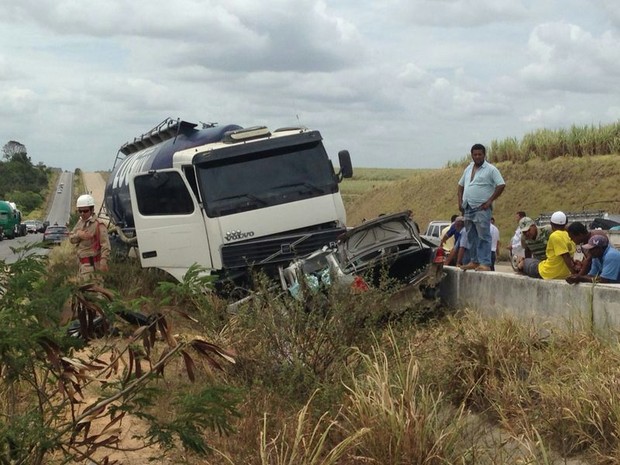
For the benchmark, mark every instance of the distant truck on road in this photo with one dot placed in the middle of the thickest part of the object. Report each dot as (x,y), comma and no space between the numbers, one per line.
(11,220)
(227,198)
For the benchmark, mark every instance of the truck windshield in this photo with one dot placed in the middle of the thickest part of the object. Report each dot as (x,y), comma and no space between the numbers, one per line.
(263,179)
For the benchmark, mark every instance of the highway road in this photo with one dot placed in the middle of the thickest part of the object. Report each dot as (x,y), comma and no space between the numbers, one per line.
(59,213)
(61,204)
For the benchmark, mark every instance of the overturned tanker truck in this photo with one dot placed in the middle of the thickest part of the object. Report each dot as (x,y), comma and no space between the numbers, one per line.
(227,198)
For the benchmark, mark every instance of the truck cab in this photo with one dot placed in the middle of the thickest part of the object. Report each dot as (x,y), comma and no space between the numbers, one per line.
(248,198)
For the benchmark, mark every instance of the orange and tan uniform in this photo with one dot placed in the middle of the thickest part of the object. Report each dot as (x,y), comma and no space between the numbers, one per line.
(92,243)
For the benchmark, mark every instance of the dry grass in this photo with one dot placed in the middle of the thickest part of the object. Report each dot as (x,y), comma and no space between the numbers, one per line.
(324,384)
(461,390)
(409,421)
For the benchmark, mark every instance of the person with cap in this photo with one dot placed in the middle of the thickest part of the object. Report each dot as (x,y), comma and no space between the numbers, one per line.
(515,242)
(461,248)
(534,240)
(560,249)
(480,184)
(447,242)
(452,234)
(580,235)
(605,265)
(91,240)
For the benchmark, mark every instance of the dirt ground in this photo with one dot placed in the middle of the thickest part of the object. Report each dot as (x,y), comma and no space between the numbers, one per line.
(95,185)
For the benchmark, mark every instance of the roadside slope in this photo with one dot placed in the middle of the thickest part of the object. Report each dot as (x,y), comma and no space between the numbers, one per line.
(95,185)
(568,184)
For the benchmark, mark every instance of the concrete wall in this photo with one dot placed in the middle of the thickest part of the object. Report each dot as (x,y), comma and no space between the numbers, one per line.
(495,293)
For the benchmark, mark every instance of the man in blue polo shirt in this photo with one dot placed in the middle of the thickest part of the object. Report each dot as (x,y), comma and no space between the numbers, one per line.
(605,267)
(480,184)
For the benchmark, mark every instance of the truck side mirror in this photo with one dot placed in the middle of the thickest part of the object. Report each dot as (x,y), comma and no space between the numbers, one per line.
(346,168)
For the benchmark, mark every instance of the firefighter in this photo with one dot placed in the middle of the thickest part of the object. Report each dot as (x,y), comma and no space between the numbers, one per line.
(91,240)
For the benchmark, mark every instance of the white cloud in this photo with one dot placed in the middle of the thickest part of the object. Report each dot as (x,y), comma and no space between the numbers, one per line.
(611,9)
(547,116)
(78,79)
(217,34)
(463,13)
(613,113)
(412,75)
(569,58)
(17,100)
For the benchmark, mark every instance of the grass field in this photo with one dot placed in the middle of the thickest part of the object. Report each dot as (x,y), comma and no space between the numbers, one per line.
(366,180)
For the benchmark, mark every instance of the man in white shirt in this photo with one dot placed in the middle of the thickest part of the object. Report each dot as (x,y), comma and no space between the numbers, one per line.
(494,243)
(515,249)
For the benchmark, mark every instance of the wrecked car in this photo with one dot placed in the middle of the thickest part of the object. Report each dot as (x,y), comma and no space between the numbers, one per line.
(388,247)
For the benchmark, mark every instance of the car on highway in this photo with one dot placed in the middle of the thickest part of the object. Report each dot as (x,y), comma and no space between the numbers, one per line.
(34,226)
(55,234)
(31,226)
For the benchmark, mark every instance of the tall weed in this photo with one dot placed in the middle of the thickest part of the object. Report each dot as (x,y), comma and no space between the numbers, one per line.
(410,422)
(307,443)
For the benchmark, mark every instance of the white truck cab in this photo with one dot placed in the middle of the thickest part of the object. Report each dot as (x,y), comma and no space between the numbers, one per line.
(228,199)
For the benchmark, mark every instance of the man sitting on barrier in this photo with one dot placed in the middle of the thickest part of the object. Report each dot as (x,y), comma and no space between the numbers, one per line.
(560,249)
(534,240)
(580,235)
(605,262)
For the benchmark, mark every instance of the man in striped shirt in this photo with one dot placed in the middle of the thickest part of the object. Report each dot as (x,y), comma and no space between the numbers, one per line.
(533,240)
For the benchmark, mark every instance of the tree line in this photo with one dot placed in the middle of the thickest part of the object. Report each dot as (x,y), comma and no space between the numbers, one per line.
(21,181)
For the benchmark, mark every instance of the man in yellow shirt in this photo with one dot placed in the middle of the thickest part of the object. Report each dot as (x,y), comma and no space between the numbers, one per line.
(559,263)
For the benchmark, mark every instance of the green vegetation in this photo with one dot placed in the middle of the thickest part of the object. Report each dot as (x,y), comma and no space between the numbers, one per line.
(65,398)
(20,181)
(547,144)
(366,180)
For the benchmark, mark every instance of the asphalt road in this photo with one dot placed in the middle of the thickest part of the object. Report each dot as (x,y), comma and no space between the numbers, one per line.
(504,267)
(61,204)
(12,249)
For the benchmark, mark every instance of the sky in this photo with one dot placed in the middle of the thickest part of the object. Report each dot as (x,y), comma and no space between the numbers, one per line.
(399,83)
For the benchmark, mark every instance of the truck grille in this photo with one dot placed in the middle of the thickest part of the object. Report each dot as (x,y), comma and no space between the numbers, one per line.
(276,249)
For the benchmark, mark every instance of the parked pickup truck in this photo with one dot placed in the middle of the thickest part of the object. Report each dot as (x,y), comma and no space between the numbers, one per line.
(433,231)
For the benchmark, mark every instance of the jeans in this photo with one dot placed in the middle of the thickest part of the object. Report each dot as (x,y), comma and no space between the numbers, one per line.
(478,226)
(530,267)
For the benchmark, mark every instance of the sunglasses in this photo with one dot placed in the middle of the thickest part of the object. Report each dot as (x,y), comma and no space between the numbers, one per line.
(83,210)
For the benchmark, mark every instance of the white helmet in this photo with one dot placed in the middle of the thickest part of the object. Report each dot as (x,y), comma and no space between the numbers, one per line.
(85,200)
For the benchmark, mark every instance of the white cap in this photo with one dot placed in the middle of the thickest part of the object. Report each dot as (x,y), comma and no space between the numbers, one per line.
(558,218)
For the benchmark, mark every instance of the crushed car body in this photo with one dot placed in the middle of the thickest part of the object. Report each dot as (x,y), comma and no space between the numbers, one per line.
(388,246)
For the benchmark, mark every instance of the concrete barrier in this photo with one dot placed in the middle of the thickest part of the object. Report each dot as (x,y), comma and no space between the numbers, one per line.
(586,306)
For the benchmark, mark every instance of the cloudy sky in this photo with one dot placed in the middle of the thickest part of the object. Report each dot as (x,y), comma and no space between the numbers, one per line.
(400,83)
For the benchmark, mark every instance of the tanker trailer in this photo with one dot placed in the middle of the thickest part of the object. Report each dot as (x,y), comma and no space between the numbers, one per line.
(226,198)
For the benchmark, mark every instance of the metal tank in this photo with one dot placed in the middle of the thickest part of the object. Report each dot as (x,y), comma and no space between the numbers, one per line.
(153,150)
